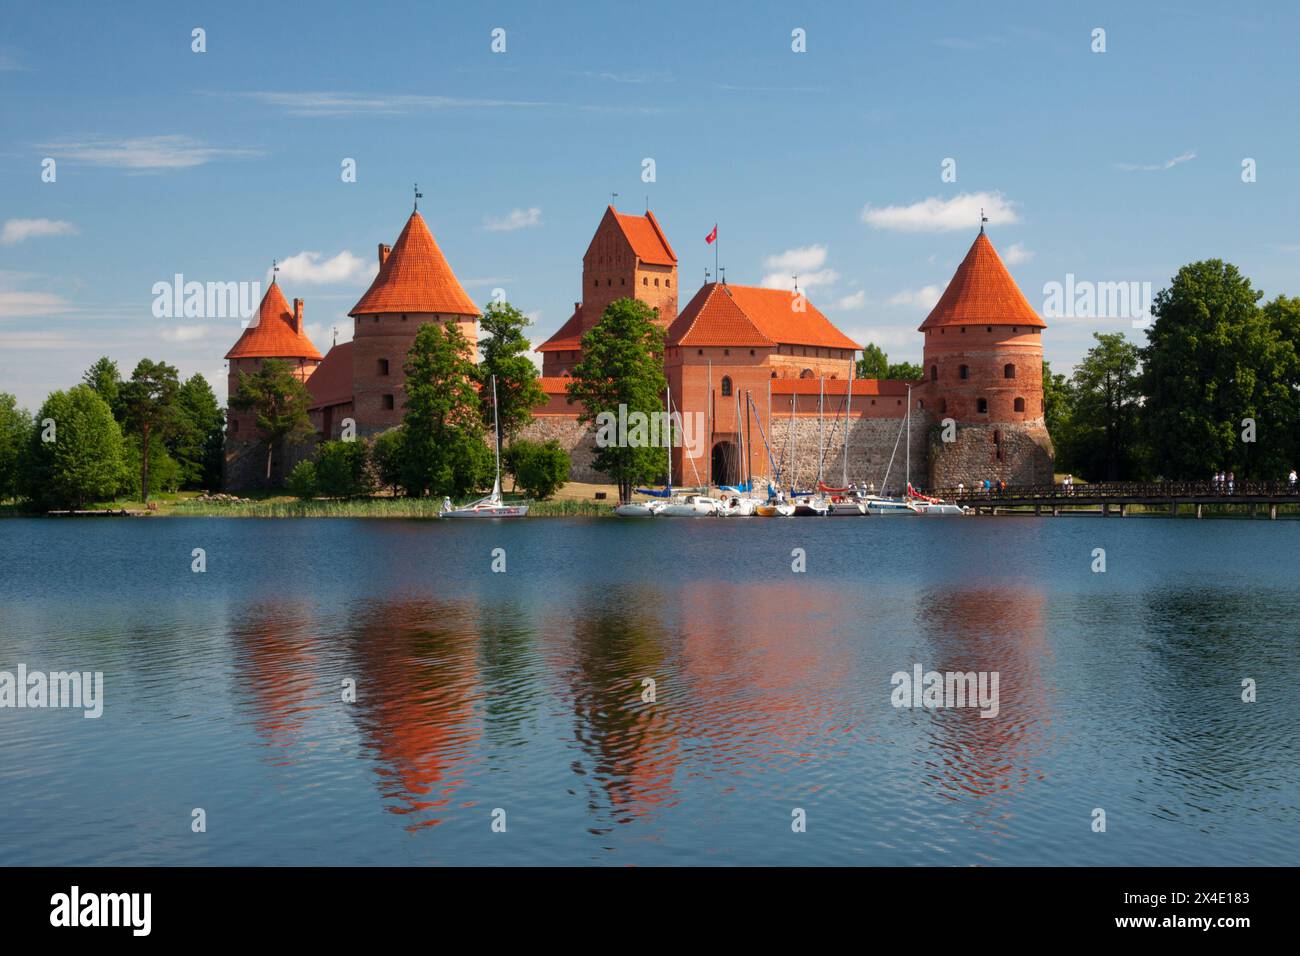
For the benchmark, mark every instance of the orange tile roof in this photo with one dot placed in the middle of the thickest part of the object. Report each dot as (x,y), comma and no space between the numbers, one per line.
(273,335)
(740,316)
(554,384)
(331,383)
(982,292)
(568,337)
(415,278)
(646,238)
(713,318)
(838,386)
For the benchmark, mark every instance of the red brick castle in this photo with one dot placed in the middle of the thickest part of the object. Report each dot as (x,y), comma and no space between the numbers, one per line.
(750,362)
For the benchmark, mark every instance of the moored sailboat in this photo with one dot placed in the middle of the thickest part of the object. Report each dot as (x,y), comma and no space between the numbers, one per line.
(492,506)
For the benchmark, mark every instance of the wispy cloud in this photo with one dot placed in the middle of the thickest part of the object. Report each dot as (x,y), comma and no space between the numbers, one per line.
(515,219)
(308,268)
(344,103)
(970,43)
(143,153)
(20,230)
(924,297)
(24,305)
(852,302)
(807,262)
(1016,253)
(636,78)
(1186,157)
(180,334)
(734,88)
(942,215)
(9,63)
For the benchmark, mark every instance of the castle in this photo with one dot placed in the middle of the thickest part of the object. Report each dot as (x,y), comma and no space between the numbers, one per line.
(763,368)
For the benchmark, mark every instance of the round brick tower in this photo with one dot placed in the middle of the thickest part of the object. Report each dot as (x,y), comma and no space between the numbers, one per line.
(415,286)
(984,372)
(277,333)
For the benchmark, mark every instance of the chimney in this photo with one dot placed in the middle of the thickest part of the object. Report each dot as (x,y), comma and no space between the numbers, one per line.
(383,254)
(297,316)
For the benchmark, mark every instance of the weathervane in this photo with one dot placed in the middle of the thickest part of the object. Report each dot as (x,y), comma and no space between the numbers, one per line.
(612,197)
(275,267)
(983,219)
(418,196)
(796,283)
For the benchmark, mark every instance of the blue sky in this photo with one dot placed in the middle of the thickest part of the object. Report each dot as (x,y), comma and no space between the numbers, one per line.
(1114,166)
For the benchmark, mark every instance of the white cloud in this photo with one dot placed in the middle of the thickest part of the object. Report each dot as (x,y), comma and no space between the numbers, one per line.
(1016,253)
(806,262)
(925,297)
(179,334)
(852,302)
(942,215)
(1186,157)
(326,103)
(886,338)
(18,230)
(37,340)
(308,268)
(143,152)
(516,219)
(21,305)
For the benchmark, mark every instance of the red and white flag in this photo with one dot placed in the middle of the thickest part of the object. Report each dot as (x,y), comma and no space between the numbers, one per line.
(713,235)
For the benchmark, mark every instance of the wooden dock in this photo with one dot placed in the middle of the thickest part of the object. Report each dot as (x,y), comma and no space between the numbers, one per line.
(1115,498)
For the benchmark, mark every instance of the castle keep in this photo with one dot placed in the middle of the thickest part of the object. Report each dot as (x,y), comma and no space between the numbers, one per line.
(762,369)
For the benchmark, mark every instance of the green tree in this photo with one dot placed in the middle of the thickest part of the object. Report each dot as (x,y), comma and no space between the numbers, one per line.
(905,372)
(343,469)
(504,348)
(302,481)
(165,473)
(196,442)
(15,433)
(1278,449)
(1202,369)
(149,409)
(74,452)
(386,454)
(444,446)
(874,362)
(1106,396)
(622,364)
(106,380)
(280,401)
(539,468)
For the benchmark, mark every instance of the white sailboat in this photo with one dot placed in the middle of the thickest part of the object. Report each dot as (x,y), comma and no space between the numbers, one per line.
(882,505)
(492,506)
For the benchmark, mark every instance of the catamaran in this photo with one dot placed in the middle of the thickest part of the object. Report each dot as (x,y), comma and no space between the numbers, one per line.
(492,506)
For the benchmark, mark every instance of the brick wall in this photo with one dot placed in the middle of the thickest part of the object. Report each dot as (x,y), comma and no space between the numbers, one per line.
(1019,454)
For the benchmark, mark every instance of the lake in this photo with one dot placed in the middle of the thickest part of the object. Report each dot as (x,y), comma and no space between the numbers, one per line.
(523,698)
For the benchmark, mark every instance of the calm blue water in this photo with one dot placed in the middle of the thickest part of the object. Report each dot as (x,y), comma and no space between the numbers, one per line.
(522,691)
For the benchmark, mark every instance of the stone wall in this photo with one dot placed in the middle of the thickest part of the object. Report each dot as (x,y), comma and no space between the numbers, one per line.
(578,439)
(871,442)
(1019,454)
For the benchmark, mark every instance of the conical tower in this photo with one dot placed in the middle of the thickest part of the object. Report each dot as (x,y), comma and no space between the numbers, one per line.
(984,372)
(415,285)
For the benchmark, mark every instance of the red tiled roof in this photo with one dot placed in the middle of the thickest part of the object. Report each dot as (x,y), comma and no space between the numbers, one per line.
(982,292)
(868,387)
(740,316)
(568,338)
(331,383)
(645,237)
(273,335)
(713,318)
(554,384)
(415,278)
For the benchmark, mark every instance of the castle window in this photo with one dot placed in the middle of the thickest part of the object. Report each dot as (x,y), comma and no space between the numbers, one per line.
(943,405)
(383,366)
(997,445)
(388,401)
(963,330)
(963,371)
(806,373)
(656,281)
(645,281)
(609,282)
(774,374)
(1008,371)
(1020,404)
(934,373)
(622,281)
(699,351)
(751,351)
(595,282)
(982,406)
(726,351)
(920,403)
(668,282)
(988,328)
(726,386)
(403,318)
(376,318)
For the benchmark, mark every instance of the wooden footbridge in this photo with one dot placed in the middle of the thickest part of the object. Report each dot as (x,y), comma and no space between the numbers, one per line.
(1111,498)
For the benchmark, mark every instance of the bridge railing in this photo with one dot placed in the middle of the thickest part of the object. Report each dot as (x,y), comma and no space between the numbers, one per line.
(1127,489)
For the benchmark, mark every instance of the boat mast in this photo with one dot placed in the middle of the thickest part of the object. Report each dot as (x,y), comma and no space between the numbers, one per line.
(708,460)
(668,401)
(496,438)
(848,404)
(821,427)
(908,447)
